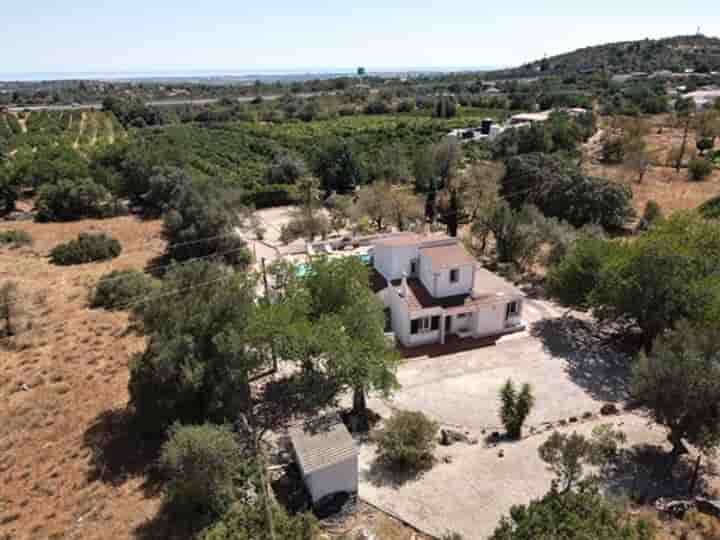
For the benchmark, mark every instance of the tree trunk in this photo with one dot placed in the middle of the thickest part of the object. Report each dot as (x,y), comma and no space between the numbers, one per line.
(359,401)
(678,448)
(683,145)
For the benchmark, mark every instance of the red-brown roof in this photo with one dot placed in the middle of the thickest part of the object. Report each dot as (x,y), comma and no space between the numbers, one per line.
(447,256)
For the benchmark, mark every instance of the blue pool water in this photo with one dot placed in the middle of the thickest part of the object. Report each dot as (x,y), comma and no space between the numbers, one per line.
(301,269)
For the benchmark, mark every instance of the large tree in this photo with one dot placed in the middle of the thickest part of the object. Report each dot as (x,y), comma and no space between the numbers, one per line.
(663,277)
(336,294)
(205,221)
(338,166)
(679,383)
(562,190)
(196,365)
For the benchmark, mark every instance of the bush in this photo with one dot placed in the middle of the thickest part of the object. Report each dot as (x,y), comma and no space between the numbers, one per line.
(88,247)
(651,215)
(15,238)
(66,200)
(710,208)
(515,408)
(407,440)
(699,168)
(201,464)
(249,522)
(118,288)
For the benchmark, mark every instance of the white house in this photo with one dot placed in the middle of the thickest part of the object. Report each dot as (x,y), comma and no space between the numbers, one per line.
(435,289)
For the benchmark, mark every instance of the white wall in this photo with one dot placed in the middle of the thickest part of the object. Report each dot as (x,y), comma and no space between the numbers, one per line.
(440,287)
(491,319)
(393,261)
(342,476)
(399,316)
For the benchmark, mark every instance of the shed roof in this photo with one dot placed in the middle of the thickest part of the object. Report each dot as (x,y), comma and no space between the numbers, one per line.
(322,443)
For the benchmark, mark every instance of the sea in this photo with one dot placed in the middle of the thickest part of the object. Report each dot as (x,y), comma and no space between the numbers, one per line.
(229,74)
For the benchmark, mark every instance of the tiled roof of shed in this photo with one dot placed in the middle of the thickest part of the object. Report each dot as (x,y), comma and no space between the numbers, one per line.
(322,443)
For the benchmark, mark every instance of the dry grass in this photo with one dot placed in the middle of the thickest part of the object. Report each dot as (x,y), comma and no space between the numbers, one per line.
(66,367)
(670,189)
(68,468)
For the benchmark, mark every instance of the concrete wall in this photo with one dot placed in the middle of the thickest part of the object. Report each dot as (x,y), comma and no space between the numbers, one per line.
(438,284)
(392,262)
(342,476)
(491,319)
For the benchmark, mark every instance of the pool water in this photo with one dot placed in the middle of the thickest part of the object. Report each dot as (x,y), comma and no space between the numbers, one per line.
(301,269)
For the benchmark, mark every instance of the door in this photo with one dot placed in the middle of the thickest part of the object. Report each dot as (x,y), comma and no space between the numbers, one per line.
(448,324)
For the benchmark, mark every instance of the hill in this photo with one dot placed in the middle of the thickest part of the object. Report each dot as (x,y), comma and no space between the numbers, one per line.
(698,52)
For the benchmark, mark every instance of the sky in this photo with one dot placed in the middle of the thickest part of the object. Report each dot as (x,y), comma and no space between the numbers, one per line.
(165,35)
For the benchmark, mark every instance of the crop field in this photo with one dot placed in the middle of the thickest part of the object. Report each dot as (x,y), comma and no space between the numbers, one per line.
(81,129)
(240,152)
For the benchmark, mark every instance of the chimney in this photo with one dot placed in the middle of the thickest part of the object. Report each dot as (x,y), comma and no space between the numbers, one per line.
(403,285)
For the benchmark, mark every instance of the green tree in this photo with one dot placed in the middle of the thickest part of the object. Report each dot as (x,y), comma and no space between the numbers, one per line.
(286,169)
(518,234)
(562,190)
(336,292)
(651,215)
(307,220)
(338,167)
(568,455)
(680,385)
(251,522)
(700,168)
(8,191)
(67,200)
(573,515)
(205,472)
(119,289)
(196,365)
(205,221)
(515,407)
(654,282)
(376,202)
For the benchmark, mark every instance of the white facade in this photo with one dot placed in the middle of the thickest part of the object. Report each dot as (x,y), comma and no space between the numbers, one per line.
(436,290)
(338,477)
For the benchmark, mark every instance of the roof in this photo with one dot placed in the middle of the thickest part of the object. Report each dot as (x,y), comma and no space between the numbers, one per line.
(322,443)
(488,289)
(531,117)
(447,256)
(407,239)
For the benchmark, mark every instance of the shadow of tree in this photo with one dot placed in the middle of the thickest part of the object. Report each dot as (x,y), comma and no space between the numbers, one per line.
(119,452)
(383,474)
(167,526)
(594,362)
(644,473)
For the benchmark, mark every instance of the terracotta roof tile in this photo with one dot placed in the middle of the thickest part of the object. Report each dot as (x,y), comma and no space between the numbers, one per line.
(447,256)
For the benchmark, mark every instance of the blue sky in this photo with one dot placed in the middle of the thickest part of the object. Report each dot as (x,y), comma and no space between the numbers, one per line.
(130,35)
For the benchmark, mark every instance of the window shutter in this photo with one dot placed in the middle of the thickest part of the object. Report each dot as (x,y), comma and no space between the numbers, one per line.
(435,323)
(414,326)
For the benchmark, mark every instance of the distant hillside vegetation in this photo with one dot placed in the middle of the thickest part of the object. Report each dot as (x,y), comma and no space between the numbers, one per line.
(698,52)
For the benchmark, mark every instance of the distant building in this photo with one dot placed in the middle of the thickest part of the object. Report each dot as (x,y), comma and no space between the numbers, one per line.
(704,98)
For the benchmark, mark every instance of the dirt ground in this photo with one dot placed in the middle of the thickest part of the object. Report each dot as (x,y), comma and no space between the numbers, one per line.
(672,190)
(68,467)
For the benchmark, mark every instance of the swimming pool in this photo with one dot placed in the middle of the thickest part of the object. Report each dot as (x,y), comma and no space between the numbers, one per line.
(301,269)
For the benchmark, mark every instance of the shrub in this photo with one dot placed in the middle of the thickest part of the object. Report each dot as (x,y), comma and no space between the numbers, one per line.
(118,288)
(515,408)
(710,208)
(407,440)
(700,169)
(87,247)
(250,522)
(651,215)
(66,200)
(201,464)
(15,238)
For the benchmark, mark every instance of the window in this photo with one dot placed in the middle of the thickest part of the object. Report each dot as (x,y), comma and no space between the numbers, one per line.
(513,310)
(413,268)
(454,275)
(424,325)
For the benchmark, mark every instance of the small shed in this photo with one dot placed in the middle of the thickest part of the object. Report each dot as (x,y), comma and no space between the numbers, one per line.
(327,456)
